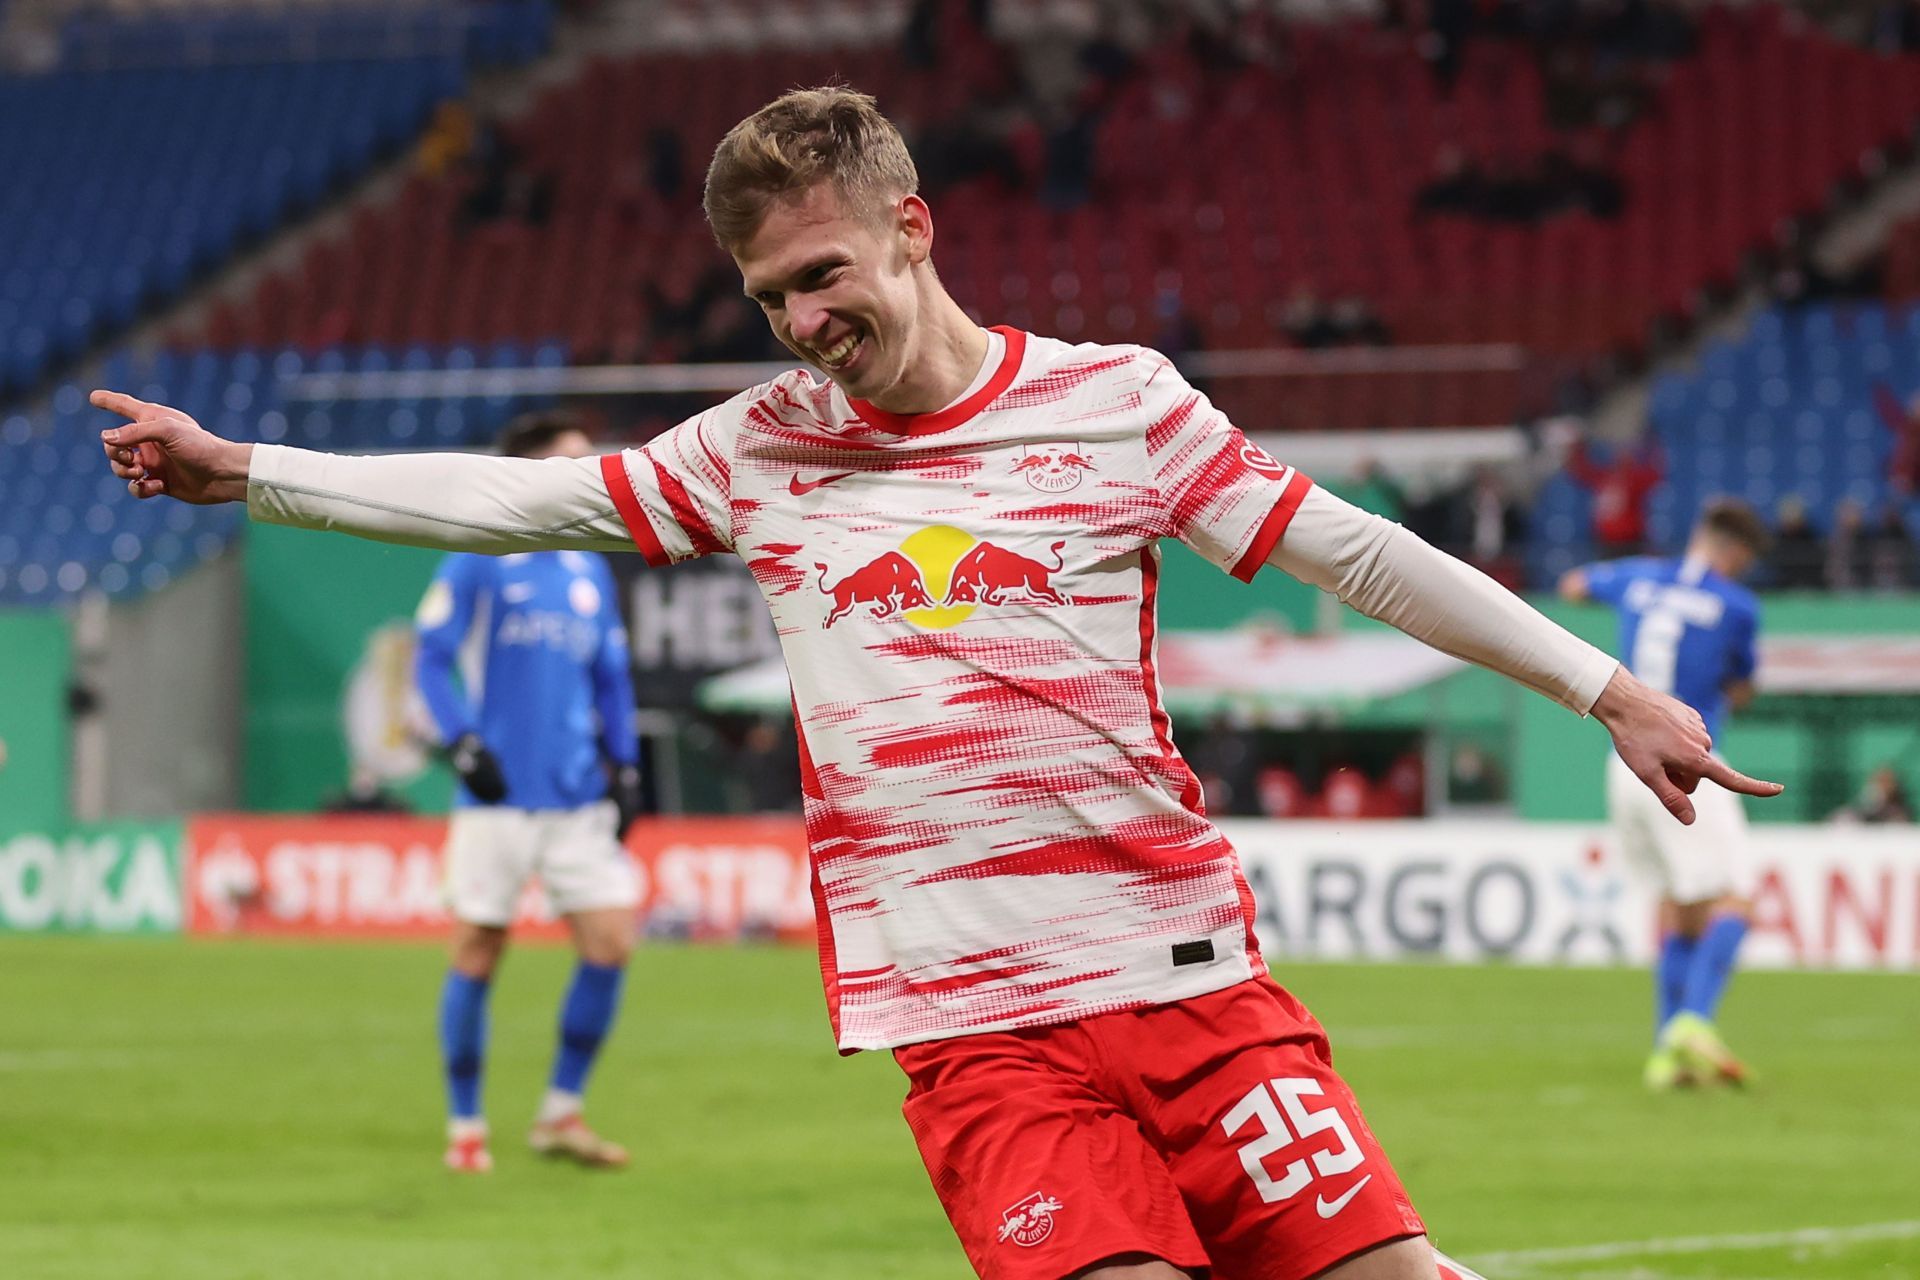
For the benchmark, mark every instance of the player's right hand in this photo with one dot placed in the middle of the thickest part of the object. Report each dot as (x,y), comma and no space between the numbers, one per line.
(477,768)
(163,451)
(1665,743)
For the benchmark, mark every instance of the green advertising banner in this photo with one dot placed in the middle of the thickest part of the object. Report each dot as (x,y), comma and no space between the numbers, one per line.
(112,877)
(34,668)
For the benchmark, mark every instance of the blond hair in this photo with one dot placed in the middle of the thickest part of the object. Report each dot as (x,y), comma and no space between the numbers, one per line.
(802,138)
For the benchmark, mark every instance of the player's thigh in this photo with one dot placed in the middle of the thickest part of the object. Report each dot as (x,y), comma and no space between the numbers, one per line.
(1635,814)
(489,854)
(1041,1176)
(583,866)
(1720,867)
(1282,1176)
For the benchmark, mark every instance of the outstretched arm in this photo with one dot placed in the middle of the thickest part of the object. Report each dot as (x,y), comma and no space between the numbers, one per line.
(1388,573)
(457,502)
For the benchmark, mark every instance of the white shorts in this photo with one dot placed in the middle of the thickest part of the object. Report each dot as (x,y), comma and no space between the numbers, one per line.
(492,851)
(1699,863)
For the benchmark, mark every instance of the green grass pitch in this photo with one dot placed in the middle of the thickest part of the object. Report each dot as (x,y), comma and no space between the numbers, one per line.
(177,1110)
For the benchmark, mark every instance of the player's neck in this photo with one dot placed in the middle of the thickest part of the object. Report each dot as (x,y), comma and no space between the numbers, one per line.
(952,350)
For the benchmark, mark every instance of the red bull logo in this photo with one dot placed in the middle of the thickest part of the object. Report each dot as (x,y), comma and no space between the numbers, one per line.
(888,585)
(990,574)
(1053,468)
(1030,1221)
(939,576)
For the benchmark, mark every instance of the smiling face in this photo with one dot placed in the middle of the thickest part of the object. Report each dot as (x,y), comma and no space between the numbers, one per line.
(843,292)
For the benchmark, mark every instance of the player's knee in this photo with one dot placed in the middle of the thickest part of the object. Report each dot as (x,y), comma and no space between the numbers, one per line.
(477,949)
(1734,905)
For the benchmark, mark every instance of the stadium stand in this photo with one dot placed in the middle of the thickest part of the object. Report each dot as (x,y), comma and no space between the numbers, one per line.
(1787,410)
(66,527)
(1310,176)
(165,194)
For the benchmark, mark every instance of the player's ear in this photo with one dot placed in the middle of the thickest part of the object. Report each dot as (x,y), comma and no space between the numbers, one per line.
(915,221)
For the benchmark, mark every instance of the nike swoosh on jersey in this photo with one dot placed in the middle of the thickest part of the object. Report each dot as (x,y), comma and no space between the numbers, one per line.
(800,488)
(1327,1208)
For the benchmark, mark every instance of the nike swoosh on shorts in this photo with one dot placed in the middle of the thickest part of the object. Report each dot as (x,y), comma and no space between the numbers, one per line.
(1328,1208)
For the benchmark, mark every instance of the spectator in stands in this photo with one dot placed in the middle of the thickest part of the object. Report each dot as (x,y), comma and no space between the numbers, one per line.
(1890,556)
(1620,487)
(1896,26)
(1903,469)
(1456,186)
(449,139)
(1799,561)
(1224,760)
(1314,324)
(1372,489)
(1882,799)
(1846,559)
(766,773)
(506,188)
(1521,189)
(1488,527)
(1473,777)
(1863,558)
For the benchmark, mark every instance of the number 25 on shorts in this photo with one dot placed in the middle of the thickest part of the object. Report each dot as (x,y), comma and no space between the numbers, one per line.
(1284,1120)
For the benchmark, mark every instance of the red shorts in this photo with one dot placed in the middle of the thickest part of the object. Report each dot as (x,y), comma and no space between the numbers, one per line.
(1211,1132)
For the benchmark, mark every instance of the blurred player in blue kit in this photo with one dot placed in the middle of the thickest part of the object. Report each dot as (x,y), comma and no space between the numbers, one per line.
(523,663)
(1687,627)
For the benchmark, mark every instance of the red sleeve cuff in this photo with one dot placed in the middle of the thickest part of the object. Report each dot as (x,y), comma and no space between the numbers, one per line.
(1292,494)
(613,470)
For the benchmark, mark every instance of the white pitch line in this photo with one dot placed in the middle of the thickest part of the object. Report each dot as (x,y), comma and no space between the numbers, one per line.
(1902,1230)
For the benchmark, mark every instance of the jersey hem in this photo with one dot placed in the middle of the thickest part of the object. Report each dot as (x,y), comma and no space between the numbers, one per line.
(1227,977)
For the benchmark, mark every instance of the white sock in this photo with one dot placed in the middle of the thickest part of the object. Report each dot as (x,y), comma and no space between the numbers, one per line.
(558,1105)
(460,1128)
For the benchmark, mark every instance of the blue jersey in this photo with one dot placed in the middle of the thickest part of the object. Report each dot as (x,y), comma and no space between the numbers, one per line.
(528,651)
(1684,629)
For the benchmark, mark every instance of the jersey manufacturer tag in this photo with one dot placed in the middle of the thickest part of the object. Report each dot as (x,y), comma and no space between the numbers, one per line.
(1192,952)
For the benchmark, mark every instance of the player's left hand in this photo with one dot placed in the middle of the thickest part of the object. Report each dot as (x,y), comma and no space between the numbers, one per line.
(1666,744)
(628,796)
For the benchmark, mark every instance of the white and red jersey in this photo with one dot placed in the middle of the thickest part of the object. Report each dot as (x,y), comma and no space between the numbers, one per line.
(1003,832)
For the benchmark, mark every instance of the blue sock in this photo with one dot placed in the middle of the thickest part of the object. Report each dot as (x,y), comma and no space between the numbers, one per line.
(1712,965)
(585,1018)
(463,1041)
(1670,976)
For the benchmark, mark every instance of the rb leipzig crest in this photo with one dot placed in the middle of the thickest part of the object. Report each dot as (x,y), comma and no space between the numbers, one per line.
(1053,468)
(1030,1221)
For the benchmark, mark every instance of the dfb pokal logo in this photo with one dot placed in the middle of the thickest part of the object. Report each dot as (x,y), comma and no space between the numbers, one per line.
(1030,1221)
(1053,468)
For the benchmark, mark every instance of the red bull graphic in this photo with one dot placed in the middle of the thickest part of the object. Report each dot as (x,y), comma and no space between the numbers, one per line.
(1053,468)
(990,574)
(888,585)
(938,576)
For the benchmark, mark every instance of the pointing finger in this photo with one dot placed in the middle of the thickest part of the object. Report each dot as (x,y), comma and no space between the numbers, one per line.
(125,405)
(1733,780)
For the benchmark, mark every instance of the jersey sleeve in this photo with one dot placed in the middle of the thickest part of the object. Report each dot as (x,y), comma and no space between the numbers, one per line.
(613,678)
(441,623)
(1742,657)
(674,493)
(1222,495)
(1607,579)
